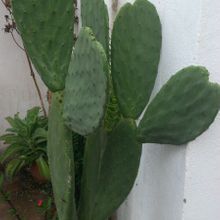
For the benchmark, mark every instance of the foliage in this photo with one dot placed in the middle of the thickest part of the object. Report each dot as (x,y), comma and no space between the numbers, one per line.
(27,141)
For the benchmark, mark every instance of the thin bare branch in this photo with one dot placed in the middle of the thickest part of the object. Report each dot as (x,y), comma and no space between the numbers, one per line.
(36,84)
(13,37)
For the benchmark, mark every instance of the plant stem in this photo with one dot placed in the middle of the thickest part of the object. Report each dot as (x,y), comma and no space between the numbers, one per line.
(11,205)
(11,32)
(35,83)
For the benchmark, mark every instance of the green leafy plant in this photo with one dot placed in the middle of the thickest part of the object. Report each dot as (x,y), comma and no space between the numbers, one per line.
(99,92)
(27,141)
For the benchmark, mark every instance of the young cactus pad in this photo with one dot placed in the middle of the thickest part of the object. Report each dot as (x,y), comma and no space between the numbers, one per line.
(86,85)
(46,28)
(136,44)
(183,109)
(94,14)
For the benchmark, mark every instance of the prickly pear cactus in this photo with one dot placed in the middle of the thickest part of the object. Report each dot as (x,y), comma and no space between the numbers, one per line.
(182,110)
(108,177)
(136,44)
(86,85)
(47,37)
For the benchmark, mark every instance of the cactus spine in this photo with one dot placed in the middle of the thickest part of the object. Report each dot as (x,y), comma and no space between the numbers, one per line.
(103,104)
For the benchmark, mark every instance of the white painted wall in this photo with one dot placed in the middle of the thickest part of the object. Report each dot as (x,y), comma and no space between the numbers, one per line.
(202,181)
(17,91)
(176,183)
(168,174)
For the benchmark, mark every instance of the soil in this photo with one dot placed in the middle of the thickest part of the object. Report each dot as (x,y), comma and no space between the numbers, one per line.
(24,194)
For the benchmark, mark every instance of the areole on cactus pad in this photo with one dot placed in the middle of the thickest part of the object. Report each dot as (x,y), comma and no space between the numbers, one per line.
(97,89)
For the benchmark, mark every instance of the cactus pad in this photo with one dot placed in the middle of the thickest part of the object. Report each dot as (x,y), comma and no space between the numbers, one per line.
(95,15)
(86,85)
(110,168)
(136,44)
(182,110)
(46,28)
(61,162)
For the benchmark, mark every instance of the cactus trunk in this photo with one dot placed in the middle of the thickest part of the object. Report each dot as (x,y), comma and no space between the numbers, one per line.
(61,160)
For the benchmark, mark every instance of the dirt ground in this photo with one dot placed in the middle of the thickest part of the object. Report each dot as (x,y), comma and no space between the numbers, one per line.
(24,200)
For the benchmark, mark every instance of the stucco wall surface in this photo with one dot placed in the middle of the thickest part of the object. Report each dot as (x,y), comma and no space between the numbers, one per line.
(174,183)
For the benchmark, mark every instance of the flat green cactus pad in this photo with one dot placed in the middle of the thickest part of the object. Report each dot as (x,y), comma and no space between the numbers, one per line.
(110,169)
(61,161)
(95,15)
(86,85)
(182,110)
(46,28)
(136,44)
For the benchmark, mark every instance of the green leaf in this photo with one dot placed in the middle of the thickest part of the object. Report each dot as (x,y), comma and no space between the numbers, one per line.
(13,167)
(110,168)
(31,119)
(135,55)
(12,139)
(183,109)
(40,150)
(32,115)
(12,130)
(11,151)
(18,124)
(43,167)
(40,133)
(41,141)
(12,122)
(42,122)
